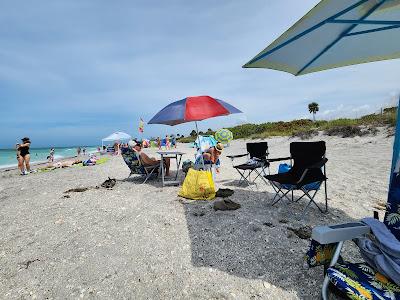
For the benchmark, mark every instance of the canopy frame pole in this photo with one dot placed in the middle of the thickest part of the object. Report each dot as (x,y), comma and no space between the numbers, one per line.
(198,138)
(296,37)
(375,7)
(362,21)
(373,30)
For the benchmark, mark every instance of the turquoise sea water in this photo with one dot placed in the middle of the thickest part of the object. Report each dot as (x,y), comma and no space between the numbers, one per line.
(8,157)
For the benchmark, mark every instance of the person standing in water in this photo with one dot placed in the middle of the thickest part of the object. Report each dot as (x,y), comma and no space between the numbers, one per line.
(78,151)
(24,156)
(51,155)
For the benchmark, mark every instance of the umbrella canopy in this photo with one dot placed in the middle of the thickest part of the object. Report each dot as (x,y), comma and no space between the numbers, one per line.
(117,136)
(193,109)
(335,34)
(224,136)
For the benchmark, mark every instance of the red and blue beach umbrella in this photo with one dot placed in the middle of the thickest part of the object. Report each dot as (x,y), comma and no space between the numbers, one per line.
(192,109)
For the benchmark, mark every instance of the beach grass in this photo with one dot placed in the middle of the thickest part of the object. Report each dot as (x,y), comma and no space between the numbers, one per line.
(306,127)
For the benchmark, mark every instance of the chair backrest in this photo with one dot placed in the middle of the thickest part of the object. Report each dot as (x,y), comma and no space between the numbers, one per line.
(257,150)
(132,160)
(305,154)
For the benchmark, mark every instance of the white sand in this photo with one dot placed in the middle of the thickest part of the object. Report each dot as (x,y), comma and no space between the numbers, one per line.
(143,242)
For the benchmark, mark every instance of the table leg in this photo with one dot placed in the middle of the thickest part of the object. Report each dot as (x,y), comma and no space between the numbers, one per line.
(162,169)
(178,163)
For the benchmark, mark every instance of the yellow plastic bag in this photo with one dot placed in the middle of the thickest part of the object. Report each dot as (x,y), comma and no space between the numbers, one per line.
(198,185)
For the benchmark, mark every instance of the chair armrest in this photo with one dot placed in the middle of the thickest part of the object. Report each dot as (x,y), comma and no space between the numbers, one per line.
(340,232)
(236,156)
(319,164)
(278,159)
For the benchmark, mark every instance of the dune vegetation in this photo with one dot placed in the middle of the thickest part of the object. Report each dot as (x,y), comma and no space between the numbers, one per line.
(305,128)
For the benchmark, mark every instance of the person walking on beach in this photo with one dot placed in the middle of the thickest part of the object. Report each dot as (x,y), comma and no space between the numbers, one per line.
(51,155)
(84,151)
(24,156)
(159,143)
(173,141)
(78,151)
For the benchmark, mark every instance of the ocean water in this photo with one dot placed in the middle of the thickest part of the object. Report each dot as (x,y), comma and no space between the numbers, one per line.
(8,157)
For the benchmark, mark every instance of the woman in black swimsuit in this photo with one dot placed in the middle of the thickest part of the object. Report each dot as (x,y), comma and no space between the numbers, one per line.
(24,156)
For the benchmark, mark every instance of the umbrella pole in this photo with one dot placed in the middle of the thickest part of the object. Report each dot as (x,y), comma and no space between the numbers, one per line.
(198,138)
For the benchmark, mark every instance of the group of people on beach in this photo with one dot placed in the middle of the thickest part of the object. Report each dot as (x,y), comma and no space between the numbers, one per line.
(169,142)
(210,156)
(80,150)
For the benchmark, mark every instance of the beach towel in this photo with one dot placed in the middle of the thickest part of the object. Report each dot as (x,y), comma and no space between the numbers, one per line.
(381,250)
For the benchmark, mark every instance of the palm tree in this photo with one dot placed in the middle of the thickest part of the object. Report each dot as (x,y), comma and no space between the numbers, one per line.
(313,107)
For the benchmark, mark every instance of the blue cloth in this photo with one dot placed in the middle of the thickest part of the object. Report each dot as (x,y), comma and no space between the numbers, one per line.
(382,251)
(284,168)
(392,216)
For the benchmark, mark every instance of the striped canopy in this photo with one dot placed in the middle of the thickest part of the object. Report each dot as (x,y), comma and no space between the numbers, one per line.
(335,33)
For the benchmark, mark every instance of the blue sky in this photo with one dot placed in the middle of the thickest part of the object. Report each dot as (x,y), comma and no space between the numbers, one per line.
(72,72)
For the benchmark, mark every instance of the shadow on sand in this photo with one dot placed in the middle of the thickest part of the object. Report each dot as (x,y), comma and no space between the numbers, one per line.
(254,241)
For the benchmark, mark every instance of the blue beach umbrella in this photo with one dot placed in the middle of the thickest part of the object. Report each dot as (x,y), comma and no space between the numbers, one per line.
(335,34)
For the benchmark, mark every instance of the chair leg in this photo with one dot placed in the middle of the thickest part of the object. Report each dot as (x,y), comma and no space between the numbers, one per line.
(326,197)
(148,175)
(284,194)
(259,174)
(325,285)
(243,177)
(310,202)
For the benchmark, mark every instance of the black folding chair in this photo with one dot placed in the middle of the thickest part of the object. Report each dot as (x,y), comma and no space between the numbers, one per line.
(307,174)
(257,155)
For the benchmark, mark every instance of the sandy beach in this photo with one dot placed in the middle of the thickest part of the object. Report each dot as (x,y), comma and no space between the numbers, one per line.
(141,241)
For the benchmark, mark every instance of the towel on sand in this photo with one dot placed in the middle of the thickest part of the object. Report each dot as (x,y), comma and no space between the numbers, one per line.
(381,250)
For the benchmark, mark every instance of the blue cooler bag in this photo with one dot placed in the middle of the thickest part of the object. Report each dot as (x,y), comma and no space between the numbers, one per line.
(283,168)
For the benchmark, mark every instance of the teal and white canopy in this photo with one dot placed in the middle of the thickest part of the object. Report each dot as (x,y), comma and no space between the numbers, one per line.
(335,33)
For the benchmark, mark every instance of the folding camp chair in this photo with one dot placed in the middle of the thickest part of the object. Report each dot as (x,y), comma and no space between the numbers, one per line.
(307,174)
(257,155)
(353,280)
(362,280)
(136,165)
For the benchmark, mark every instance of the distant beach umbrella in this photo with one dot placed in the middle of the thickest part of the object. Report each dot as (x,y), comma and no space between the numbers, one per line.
(224,136)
